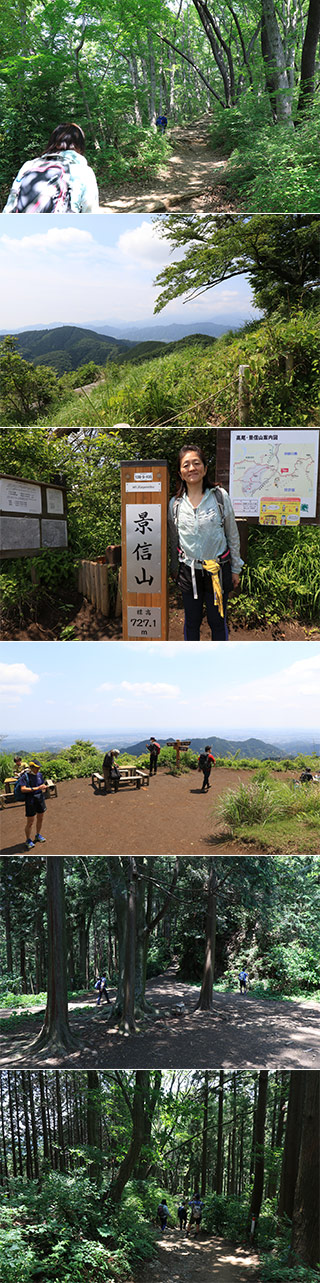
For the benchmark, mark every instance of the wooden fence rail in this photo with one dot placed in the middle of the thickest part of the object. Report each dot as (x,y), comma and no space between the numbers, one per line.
(94,583)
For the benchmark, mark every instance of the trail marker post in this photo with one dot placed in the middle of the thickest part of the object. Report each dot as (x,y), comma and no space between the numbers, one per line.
(181,746)
(144,507)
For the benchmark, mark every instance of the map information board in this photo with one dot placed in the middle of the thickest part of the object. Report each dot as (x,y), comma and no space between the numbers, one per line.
(278,463)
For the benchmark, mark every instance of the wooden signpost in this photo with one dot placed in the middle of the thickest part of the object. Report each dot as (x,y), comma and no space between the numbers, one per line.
(33,517)
(181,746)
(144,507)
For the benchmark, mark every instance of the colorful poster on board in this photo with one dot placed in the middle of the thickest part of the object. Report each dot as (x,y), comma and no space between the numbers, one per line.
(279,512)
(281,463)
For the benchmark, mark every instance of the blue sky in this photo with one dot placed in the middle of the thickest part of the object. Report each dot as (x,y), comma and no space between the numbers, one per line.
(97,269)
(242,688)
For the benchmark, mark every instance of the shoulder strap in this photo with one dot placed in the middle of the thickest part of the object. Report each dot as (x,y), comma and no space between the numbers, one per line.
(219,498)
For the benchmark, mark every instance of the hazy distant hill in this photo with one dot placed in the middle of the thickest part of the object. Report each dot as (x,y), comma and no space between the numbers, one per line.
(69,346)
(166,333)
(66,347)
(226,748)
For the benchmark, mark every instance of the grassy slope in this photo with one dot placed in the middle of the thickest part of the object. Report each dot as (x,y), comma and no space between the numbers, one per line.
(198,384)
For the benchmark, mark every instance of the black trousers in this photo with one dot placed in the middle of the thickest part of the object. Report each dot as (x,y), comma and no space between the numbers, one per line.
(153,763)
(194,606)
(206,777)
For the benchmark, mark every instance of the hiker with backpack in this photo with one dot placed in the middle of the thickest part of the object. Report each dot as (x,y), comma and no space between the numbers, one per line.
(111,773)
(31,788)
(161,123)
(205,546)
(243,979)
(205,762)
(101,987)
(162,1214)
(182,1214)
(58,182)
(154,750)
(196,1205)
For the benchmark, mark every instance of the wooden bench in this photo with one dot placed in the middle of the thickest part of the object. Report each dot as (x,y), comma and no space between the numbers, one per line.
(128,775)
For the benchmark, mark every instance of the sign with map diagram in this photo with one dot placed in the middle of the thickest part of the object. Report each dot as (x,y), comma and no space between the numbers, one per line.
(277,463)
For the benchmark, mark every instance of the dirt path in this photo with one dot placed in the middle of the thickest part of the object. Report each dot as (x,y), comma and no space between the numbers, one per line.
(169,817)
(191,179)
(240,1032)
(183,1260)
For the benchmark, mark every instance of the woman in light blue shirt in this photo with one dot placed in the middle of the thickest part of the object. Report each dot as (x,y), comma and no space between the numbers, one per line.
(58,182)
(203,533)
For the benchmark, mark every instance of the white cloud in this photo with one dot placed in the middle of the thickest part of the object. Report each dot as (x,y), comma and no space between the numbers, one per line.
(55,238)
(143,244)
(16,680)
(106,686)
(151,688)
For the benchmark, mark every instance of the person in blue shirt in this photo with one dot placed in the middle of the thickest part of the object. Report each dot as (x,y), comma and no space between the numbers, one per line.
(162,1214)
(101,986)
(33,789)
(205,546)
(243,977)
(182,1214)
(161,123)
(196,1205)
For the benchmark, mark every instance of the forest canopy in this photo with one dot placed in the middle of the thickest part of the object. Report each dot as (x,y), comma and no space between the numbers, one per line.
(87,1157)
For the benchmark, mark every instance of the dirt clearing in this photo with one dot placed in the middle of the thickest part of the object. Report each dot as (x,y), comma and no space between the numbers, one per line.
(169,817)
(240,1032)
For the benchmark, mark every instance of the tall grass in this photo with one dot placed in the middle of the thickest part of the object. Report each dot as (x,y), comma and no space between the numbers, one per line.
(276,816)
(281,577)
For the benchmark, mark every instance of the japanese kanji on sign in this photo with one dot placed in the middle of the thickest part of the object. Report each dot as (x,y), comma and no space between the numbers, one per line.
(144,504)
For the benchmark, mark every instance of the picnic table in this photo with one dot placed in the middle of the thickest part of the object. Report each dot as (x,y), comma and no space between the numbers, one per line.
(128,775)
(8,795)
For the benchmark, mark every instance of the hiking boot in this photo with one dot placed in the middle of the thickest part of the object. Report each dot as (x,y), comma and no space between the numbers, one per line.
(39,838)
(29,844)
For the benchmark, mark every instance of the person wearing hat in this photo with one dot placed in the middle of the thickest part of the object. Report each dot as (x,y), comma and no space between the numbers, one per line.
(111,773)
(18,767)
(33,789)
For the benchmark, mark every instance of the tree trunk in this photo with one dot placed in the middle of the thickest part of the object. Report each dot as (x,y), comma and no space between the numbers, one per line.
(305,1228)
(219,1168)
(205,1000)
(277,61)
(27,1130)
(18,1125)
(290,1159)
(55,1038)
(234,1136)
(46,1154)
(257,1192)
(13,1144)
(33,1128)
(152,79)
(204,1157)
(308,60)
(62,1156)
(93,1124)
(3,1130)
(129,1161)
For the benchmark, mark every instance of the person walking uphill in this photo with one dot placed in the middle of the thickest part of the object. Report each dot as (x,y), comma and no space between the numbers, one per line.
(162,1214)
(205,546)
(154,750)
(32,787)
(58,182)
(205,762)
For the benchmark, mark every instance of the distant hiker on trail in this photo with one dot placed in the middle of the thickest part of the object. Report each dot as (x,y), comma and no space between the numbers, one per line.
(31,787)
(58,182)
(154,750)
(205,546)
(243,979)
(111,773)
(161,123)
(196,1205)
(162,1214)
(182,1214)
(205,762)
(306,776)
(101,986)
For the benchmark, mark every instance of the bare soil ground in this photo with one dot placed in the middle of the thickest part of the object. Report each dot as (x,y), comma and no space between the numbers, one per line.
(88,624)
(184,1260)
(240,1032)
(169,817)
(193,178)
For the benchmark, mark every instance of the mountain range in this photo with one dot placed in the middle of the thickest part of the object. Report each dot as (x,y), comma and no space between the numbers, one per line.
(249,748)
(67,347)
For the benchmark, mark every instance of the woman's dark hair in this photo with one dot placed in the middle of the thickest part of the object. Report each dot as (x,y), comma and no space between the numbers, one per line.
(181,487)
(65,137)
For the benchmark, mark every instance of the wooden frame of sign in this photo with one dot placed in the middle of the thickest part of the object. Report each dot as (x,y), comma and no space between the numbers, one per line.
(144,508)
(33,517)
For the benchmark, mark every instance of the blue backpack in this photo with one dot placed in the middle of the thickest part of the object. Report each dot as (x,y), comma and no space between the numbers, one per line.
(18,796)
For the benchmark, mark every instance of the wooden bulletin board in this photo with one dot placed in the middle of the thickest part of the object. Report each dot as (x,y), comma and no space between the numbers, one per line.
(144,508)
(33,516)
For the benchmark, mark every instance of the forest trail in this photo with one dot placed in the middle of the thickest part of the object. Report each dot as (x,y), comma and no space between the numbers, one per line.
(191,179)
(251,1032)
(184,1260)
